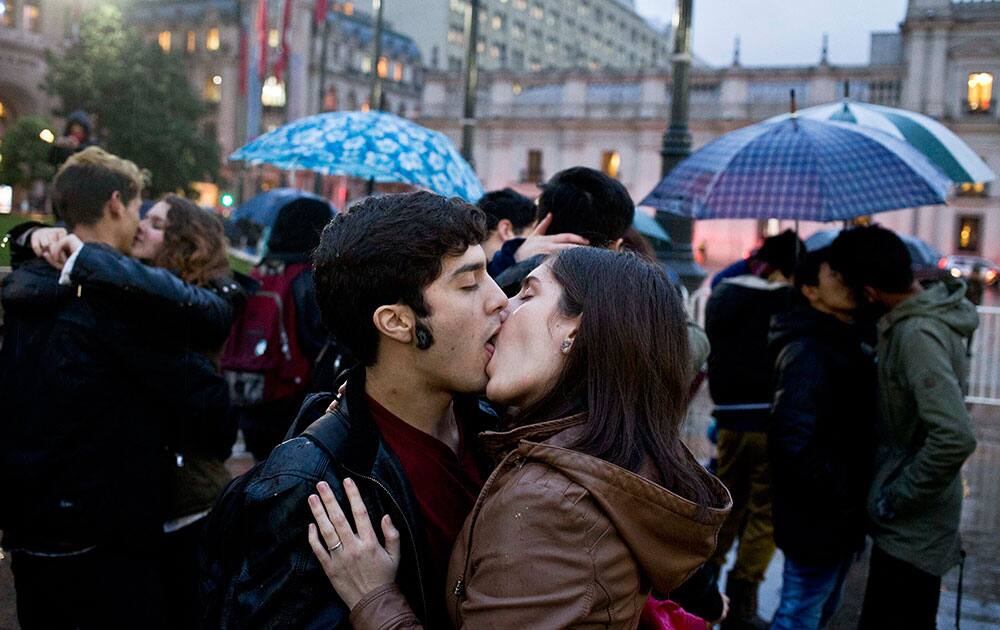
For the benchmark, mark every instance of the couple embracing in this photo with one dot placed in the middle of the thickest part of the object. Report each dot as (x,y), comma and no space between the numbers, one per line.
(422,506)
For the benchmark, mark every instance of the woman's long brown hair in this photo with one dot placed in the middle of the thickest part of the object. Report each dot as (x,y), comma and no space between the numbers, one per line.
(194,245)
(628,368)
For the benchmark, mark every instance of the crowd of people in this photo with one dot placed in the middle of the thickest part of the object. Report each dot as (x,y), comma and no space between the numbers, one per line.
(463,416)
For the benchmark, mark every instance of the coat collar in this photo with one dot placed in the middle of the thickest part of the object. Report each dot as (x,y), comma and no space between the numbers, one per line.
(497,443)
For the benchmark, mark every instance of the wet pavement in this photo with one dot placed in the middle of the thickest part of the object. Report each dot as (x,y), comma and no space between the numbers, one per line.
(980,531)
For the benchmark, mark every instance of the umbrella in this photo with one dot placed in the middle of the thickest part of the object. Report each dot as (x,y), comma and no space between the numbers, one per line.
(263,209)
(941,146)
(799,169)
(922,253)
(647,225)
(370,145)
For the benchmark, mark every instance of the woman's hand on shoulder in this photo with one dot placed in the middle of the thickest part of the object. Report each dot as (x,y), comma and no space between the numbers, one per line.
(354,562)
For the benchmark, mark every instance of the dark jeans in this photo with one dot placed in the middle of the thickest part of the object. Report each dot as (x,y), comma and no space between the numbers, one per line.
(107,587)
(809,594)
(899,595)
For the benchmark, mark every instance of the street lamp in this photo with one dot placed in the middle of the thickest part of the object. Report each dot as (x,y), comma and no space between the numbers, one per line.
(471,79)
(679,256)
(375,98)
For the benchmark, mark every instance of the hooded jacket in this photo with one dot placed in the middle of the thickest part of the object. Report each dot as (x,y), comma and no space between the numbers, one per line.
(562,539)
(925,433)
(821,436)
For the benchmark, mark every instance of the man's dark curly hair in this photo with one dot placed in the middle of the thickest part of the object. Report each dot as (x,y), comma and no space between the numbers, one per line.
(387,249)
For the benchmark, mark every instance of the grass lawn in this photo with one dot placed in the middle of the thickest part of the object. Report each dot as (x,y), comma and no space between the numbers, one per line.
(7,221)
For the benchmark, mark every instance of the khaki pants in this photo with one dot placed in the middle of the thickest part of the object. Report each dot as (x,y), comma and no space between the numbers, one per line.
(743,467)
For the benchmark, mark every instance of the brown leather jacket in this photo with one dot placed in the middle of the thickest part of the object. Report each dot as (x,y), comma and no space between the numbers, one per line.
(560,539)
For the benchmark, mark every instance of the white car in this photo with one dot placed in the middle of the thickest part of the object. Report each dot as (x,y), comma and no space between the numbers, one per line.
(962,266)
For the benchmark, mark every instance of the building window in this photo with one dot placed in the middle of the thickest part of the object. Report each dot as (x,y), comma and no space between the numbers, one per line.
(980,91)
(397,71)
(6,13)
(163,39)
(212,92)
(273,38)
(537,12)
(611,162)
(212,40)
(969,230)
(533,173)
(272,93)
(31,22)
(192,41)
(970,189)
(383,67)
(330,100)
(348,8)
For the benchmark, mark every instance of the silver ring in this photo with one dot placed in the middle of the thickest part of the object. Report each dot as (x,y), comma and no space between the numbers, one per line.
(340,543)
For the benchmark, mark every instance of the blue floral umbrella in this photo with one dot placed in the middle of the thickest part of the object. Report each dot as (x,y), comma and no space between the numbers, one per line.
(368,145)
(801,169)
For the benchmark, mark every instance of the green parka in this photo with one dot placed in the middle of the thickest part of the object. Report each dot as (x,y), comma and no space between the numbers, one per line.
(924,434)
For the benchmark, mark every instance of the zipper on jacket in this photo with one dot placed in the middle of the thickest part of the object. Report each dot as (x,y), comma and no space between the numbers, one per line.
(409,531)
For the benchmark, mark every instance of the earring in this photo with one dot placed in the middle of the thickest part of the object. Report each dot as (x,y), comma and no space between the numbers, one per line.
(566,344)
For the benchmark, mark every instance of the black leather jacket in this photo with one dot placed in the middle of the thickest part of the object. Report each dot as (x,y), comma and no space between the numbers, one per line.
(280,583)
(95,381)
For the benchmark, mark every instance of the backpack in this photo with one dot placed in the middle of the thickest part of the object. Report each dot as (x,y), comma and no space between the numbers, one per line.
(261,360)
(223,545)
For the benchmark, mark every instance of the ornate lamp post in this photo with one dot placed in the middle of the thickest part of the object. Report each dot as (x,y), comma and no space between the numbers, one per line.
(676,146)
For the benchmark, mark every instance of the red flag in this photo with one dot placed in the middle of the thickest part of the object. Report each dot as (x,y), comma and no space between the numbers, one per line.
(319,13)
(262,38)
(282,64)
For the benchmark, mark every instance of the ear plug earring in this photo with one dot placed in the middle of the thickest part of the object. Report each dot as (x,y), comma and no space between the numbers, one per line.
(566,346)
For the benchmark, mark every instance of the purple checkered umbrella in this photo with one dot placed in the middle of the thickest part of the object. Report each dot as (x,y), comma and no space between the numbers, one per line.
(803,169)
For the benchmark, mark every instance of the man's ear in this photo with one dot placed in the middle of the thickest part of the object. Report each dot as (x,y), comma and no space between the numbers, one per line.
(505,229)
(872,295)
(114,206)
(395,321)
(616,246)
(810,293)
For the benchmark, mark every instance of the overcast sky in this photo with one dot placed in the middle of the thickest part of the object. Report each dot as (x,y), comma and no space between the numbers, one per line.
(783,32)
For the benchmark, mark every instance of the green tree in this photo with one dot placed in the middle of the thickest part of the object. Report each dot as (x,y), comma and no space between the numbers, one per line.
(25,154)
(145,109)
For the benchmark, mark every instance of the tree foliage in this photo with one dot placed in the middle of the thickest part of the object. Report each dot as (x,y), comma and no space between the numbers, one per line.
(143,106)
(25,154)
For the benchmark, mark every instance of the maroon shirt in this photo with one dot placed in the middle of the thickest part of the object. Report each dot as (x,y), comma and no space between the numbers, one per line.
(445,484)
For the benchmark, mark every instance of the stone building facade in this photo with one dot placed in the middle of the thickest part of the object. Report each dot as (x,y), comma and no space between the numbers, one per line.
(532,125)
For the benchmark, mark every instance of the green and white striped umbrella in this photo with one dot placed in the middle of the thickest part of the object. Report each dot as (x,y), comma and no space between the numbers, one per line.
(941,146)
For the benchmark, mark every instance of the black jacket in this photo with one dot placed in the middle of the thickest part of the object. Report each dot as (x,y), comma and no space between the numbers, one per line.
(740,371)
(280,583)
(821,436)
(92,396)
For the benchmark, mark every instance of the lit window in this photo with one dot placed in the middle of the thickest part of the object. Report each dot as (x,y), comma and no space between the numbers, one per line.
(517,88)
(31,21)
(497,22)
(192,41)
(980,91)
(163,39)
(366,64)
(494,52)
(611,161)
(969,231)
(537,12)
(212,40)
(397,72)
(212,91)
(481,47)
(365,106)
(273,38)
(348,8)
(969,189)
(383,67)
(330,100)
(521,5)
(6,15)
(272,93)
